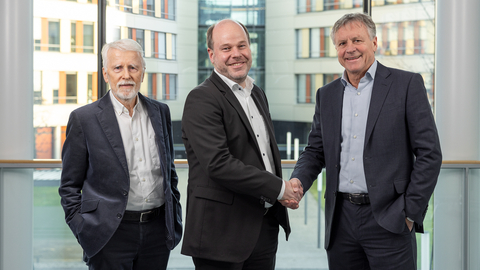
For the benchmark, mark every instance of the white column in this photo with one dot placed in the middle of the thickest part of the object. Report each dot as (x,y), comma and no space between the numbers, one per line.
(16,136)
(457,103)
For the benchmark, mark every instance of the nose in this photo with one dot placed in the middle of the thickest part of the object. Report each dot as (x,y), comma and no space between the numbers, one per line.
(351,47)
(236,52)
(126,74)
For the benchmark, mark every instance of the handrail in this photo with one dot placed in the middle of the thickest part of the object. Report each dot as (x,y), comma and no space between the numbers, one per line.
(183,163)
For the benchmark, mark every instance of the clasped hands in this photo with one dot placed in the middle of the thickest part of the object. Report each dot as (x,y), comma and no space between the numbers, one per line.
(293,193)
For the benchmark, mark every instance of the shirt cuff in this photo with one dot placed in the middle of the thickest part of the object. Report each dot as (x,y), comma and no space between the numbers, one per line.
(409,219)
(282,191)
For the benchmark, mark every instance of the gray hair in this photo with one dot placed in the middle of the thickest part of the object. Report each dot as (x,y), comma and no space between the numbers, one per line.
(354,17)
(123,45)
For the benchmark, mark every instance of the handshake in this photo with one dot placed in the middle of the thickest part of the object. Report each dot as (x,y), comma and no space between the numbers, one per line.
(293,193)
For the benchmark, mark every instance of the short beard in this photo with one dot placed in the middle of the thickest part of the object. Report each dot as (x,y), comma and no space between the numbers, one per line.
(130,95)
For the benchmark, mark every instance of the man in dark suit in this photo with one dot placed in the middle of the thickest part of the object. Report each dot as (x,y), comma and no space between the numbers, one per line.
(374,132)
(119,185)
(234,183)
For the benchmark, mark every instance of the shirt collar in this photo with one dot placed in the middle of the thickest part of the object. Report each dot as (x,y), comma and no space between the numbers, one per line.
(235,86)
(120,109)
(370,75)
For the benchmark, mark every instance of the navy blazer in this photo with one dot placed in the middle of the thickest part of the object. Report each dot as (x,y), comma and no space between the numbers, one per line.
(95,179)
(227,183)
(402,156)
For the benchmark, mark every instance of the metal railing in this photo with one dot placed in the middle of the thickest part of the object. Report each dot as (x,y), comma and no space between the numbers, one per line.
(464,165)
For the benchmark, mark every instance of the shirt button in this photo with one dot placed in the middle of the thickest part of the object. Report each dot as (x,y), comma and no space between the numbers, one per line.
(143,180)
(351,181)
(358,93)
(136,139)
(140,159)
(354,136)
(356,114)
(258,135)
(353,158)
(263,154)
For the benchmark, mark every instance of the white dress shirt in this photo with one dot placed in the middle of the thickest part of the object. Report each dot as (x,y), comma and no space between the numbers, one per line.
(256,122)
(141,151)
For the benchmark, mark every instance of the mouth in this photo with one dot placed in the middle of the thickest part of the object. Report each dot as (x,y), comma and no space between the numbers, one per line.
(237,64)
(126,84)
(353,58)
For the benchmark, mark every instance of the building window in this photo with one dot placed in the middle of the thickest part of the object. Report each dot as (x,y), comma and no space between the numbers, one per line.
(138,35)
(307,85)
(67,88)
(82,38)
(171,44)
(37,87)
(156,8)
(394,38)
(406,38)
(147,7)
(88,37)
(305,6)
(124,5)
(47,34)
(44,142)
(92,87)
(168,9)
(54,36)
(160,86)
(71,88)
(161,45)
(314,43)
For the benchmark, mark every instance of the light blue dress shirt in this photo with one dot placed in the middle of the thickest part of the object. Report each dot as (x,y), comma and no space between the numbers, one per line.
(356,103)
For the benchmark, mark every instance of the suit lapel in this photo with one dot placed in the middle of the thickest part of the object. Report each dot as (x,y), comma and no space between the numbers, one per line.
(232,99)
(335,120)
(381,87)
(108,121)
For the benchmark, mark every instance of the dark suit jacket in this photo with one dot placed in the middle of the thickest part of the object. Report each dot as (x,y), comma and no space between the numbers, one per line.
(402,156)
(228,183)
(95,179)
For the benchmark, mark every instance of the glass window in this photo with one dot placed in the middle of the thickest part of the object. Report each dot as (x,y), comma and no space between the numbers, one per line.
(88,38)
(37,32)
(139,37)
(71,88)
(37,87)
(73,38)
(54,36)
(162,46)
(160,86)
(308,84)
(174,47)
(394,38)
(147,7)
(315,42)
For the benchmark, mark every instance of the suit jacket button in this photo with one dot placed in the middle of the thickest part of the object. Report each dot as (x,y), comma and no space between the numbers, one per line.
(124,193)
(119,216)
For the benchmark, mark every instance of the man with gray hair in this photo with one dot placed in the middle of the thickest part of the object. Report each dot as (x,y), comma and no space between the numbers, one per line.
(119,184)
(373,131)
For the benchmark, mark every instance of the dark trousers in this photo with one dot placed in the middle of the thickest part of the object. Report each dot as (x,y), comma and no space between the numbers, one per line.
(134,245)
(359,243)
(262,257)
